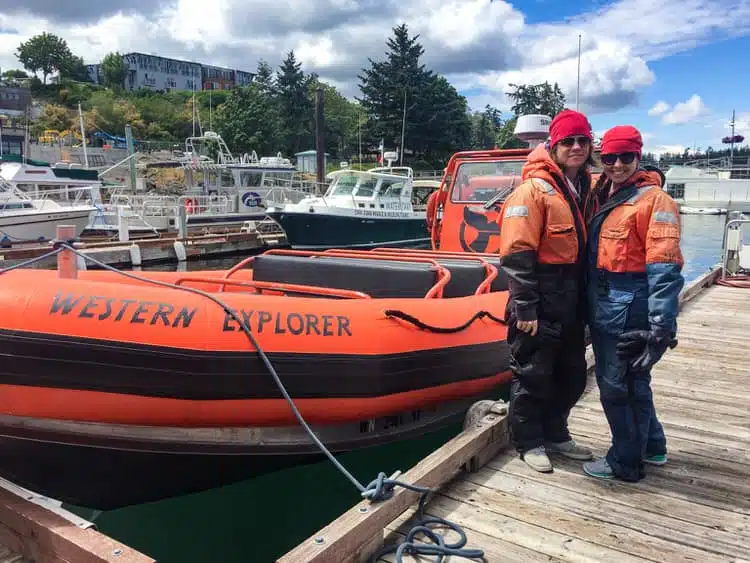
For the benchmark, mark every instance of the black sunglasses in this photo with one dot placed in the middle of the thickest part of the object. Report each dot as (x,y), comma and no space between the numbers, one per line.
(570,141)
(625,158)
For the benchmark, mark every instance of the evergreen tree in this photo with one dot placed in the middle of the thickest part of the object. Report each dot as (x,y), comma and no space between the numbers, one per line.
(264,78)
(401,90)
(249,121)
(536,98)
(295,106)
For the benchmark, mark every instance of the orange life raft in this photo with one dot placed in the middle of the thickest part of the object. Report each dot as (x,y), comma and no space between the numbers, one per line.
(121,382)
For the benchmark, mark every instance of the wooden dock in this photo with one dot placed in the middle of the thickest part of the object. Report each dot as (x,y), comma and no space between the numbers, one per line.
(145,251)
(696,508)
(34,529)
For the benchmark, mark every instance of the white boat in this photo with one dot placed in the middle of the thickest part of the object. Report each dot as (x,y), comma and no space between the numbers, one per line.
(220,192)
(698,188)
(62,182)
(360,209)
(23,219)
(687,210)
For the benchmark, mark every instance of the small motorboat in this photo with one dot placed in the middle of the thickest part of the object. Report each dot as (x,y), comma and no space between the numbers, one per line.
(116,391)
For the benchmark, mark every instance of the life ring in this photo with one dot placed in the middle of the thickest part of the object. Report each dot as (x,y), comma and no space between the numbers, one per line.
(190,205)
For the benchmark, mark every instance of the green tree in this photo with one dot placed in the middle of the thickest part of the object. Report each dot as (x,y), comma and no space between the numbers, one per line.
(114,71)
(506,139)
(400,92)
(340,118)
(536,98)
(249,121)
(295,105)
(15,73)
(485,127)
(264,78)
(45,53)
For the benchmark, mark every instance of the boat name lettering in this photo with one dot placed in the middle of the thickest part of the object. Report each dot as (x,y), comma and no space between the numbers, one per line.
(378,213)
(133,311)
(297,324)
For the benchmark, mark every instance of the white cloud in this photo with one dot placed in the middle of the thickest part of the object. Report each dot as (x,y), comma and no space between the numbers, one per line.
(659,108)
(685,112)
(479,45)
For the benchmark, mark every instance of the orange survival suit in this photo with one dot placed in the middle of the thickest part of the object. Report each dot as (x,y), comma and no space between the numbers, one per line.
(542,248)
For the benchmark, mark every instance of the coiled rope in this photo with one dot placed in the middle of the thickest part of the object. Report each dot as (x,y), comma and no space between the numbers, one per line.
(379,489)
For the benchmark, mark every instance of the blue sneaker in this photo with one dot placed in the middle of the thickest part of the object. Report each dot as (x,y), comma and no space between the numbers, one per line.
(599,469)
(656,459)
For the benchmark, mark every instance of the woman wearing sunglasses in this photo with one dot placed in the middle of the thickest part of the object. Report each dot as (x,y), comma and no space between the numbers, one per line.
(542,245)
(634,281)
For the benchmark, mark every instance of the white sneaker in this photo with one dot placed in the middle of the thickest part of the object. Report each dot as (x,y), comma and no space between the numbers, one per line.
(537,459)
(570,449)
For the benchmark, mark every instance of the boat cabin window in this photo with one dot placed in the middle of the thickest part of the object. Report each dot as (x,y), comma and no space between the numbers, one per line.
(16,205)
(227,180)
(479,181)
(250,178)
(677,191)
(391,188)
(366,187)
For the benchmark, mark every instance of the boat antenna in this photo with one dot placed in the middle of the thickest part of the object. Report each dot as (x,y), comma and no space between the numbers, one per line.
(403,128)
(578,87)
(83,137)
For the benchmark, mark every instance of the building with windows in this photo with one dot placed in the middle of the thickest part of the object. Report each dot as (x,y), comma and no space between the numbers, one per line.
(165,74)
(14,103)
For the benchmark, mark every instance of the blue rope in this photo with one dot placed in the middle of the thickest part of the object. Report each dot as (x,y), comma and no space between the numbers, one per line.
(379,489)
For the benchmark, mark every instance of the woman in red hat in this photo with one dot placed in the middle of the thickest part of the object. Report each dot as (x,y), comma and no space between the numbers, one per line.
(542,245)
(634,281)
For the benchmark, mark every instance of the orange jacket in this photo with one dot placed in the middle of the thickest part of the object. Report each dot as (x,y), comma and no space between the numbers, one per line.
(634,248)
(542,241)
(642,229)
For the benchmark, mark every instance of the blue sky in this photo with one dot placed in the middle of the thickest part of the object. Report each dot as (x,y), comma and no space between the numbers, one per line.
(673,68)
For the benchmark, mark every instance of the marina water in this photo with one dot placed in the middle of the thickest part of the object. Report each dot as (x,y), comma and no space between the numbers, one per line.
(258,520)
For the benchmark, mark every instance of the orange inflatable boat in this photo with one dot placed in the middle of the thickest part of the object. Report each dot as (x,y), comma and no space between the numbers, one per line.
(115,391)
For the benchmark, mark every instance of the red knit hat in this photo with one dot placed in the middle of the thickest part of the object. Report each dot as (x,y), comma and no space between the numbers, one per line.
(568,123)
(622,138)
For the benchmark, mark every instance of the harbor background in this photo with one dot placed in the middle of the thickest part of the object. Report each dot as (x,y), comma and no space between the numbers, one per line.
(258,520)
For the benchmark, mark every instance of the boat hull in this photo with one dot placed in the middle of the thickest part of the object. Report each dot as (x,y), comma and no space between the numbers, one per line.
(320,231)
(36,226)
(106,467)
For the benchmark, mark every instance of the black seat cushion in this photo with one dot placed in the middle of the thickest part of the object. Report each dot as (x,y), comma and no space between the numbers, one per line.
(377,278)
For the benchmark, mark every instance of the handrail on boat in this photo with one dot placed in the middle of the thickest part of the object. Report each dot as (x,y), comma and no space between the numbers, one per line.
(278,286)
(491,272)
(436,291)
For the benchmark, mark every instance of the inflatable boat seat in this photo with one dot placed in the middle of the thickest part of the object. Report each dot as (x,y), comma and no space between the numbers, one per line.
(377,278)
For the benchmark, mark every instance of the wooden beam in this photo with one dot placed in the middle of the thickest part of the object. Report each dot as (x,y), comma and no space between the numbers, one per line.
(33,531)
(355,528)
(698,285)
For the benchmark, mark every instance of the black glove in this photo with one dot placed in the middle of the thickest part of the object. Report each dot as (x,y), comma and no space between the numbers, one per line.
(643,348)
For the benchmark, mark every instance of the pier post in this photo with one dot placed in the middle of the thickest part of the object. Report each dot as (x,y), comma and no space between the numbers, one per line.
(123,223)
(320,145)
(182,231)
(67,263)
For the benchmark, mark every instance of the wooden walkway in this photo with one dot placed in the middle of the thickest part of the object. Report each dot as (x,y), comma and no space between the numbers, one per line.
(696,508)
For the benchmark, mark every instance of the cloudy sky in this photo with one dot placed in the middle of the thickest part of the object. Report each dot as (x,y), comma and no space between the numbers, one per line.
(673,68)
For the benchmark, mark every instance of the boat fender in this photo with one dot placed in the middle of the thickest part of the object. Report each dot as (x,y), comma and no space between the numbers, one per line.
(439,329)
(81,262)
(179,250)
(135,255)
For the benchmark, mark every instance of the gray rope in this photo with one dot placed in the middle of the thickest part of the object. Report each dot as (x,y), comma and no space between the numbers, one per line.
(379,489)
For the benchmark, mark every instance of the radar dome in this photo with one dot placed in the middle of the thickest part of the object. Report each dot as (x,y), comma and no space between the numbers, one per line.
(533,129)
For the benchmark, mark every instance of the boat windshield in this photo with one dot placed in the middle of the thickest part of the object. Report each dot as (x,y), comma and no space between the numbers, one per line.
(480,181)
(353,184)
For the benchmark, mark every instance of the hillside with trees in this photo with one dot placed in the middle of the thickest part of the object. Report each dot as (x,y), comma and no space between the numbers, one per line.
(399,98)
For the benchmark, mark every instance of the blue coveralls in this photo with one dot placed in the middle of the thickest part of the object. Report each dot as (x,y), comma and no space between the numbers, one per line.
(619,302)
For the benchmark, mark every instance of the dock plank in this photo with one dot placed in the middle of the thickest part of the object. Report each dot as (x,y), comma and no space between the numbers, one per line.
(695,508)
